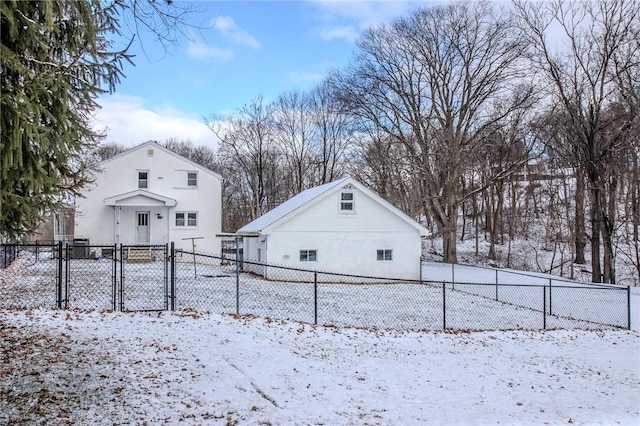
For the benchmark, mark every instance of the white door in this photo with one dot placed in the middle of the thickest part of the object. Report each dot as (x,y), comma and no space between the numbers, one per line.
(142,227)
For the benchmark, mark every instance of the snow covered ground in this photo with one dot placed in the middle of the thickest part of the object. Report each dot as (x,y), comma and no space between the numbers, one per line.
(73,367)
(188,367)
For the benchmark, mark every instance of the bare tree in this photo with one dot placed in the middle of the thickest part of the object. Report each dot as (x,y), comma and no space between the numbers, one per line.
(553,129)
(108,150)
(598,40)
(199,154)
(294,132)
(247,148)
(428,82)
(333,135)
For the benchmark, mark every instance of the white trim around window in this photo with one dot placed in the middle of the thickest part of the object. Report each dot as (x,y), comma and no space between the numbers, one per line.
(384,255)
(347,202)
(143,179)
(308,255)
(186,220)
(192,179)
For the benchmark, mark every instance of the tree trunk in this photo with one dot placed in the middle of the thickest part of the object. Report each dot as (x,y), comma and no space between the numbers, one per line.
(580,232)
(491,224)
(608,221)
(449,244)
(449,230)
(596,218)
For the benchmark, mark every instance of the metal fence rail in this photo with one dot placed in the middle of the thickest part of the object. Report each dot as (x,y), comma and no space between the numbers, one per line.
(143,278)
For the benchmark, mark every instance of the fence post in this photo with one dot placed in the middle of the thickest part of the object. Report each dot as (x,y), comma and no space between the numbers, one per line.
(172,276)
(315,297)
(453,276)
(550,305)
(496,285)
(59,275)
(444,305)
(544,307)
(629,308)
(114,274)
(237,280)
(121,292)
(67,274)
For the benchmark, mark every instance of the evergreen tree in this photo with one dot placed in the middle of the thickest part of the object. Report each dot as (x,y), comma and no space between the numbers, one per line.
(55,59)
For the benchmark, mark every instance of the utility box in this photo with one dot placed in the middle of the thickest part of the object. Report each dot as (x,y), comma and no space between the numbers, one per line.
(80,248)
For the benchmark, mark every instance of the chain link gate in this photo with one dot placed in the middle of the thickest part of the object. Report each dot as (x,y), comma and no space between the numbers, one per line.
(144,278)
(90,277)
(111,277)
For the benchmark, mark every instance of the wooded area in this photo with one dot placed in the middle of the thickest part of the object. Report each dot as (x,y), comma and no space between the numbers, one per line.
(484,121)
(473,118)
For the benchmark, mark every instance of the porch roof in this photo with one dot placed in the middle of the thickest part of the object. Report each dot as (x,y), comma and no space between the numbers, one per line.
(140,197)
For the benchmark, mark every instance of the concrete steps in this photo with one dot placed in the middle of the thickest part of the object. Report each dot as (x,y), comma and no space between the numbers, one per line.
(139,255)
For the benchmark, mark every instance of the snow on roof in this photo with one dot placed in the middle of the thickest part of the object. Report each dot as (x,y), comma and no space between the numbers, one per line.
(288,206)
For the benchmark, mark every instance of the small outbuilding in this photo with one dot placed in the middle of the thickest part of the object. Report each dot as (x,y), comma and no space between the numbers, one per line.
(339,227)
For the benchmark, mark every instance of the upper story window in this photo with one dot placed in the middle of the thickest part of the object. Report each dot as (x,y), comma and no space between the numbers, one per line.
(192,179)
(143,179)
(347,202)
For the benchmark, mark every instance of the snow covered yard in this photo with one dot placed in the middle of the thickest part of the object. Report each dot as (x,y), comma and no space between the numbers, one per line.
(61,367)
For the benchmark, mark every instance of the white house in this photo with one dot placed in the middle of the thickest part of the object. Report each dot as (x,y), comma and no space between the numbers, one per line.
(151,195)
(340,227)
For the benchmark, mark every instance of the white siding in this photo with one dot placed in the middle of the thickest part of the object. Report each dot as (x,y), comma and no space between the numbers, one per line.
(104,224)
(345,243)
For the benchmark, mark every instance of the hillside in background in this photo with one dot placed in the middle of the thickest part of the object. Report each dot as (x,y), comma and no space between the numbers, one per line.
(533,254)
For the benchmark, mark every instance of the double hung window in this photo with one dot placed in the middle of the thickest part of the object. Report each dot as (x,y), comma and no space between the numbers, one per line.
(347,202)
(143,179)
(192,179)
(187,219)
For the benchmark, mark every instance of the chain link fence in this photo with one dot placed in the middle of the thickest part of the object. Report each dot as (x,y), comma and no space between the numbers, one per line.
(89,277)
(31,276)
(149,278)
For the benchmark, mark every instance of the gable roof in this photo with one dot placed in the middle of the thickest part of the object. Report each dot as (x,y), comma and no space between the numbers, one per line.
(286,208)
(156,145)
(138,196)
(306,198)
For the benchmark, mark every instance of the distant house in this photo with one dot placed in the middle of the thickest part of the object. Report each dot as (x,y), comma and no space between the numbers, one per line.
(56,226)
(340,227)
(151,195)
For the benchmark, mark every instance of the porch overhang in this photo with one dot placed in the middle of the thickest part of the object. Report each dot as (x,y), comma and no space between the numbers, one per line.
(140,198)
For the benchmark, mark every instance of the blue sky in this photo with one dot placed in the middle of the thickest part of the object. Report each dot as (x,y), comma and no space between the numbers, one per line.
(244,49)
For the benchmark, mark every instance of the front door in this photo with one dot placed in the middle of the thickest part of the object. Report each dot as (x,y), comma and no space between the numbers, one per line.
(142,227)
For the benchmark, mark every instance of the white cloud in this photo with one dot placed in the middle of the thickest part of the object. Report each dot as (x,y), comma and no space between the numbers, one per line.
(348,33)
(305,76)
(229,29)
(129,122)
(202,50)
(369,12)
(346,19)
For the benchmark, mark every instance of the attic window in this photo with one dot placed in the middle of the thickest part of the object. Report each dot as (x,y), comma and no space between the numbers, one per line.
(347,202)
(150,152)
